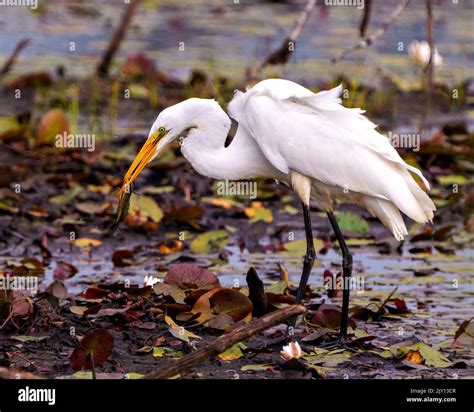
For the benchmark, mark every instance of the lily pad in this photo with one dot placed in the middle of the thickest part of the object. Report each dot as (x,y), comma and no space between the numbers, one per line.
(209,242)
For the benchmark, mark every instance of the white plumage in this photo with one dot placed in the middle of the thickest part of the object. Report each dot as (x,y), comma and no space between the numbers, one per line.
(327,152)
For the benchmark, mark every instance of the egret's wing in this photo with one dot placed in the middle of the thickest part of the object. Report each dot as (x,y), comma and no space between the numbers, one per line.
(316,136)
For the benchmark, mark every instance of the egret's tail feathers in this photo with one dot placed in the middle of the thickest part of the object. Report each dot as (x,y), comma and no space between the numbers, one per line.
(411,199)
(388,214)
(424,202)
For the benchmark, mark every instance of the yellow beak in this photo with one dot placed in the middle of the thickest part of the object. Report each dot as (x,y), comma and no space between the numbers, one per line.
(143,157)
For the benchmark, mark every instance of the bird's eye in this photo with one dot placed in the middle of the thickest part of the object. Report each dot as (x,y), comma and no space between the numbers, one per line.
(161,129)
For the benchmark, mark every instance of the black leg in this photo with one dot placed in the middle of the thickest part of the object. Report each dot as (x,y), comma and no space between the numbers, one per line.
(308,262)
(347,272)
(309,257)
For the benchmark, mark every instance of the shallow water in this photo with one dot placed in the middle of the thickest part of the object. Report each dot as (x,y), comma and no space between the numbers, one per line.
(225,38)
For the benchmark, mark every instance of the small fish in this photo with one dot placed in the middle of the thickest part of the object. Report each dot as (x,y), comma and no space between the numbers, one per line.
(123,205)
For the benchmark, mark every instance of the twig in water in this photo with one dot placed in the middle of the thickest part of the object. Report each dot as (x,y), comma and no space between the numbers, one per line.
(282,54)
(103,67)
(12,59)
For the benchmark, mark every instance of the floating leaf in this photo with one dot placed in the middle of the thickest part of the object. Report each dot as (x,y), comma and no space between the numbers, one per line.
(209,242)
(350,222)
(190,276)
(257,212)
(298,247)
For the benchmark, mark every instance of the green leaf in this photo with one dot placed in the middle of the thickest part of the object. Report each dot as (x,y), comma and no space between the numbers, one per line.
(67,197)
(27,338)
(133,375)
(148,207)
(209,242)
(350,222)
(453,180)
(256,367)
(298,247)
(431,356)
(179,332)
(160,351)
(234,352)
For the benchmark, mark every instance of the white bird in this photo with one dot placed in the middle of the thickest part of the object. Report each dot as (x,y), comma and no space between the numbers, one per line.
(323,150)
(420,52)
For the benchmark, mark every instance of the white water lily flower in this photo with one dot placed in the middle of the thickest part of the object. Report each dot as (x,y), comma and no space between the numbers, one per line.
(420,52)
(293,350)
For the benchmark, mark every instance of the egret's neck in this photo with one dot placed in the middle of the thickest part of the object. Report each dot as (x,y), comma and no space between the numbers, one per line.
(243,159)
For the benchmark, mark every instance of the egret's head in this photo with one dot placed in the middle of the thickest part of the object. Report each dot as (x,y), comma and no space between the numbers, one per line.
(173,123)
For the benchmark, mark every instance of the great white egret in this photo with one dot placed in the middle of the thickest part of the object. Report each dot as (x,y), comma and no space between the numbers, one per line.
(323,150)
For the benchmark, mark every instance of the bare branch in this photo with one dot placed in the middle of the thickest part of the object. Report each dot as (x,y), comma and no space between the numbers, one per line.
(365,18)
(369,40)
(12,59)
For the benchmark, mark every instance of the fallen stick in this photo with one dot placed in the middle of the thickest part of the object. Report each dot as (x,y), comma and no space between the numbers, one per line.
(103,67)
(369,40)
(225,341)
(11,60)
